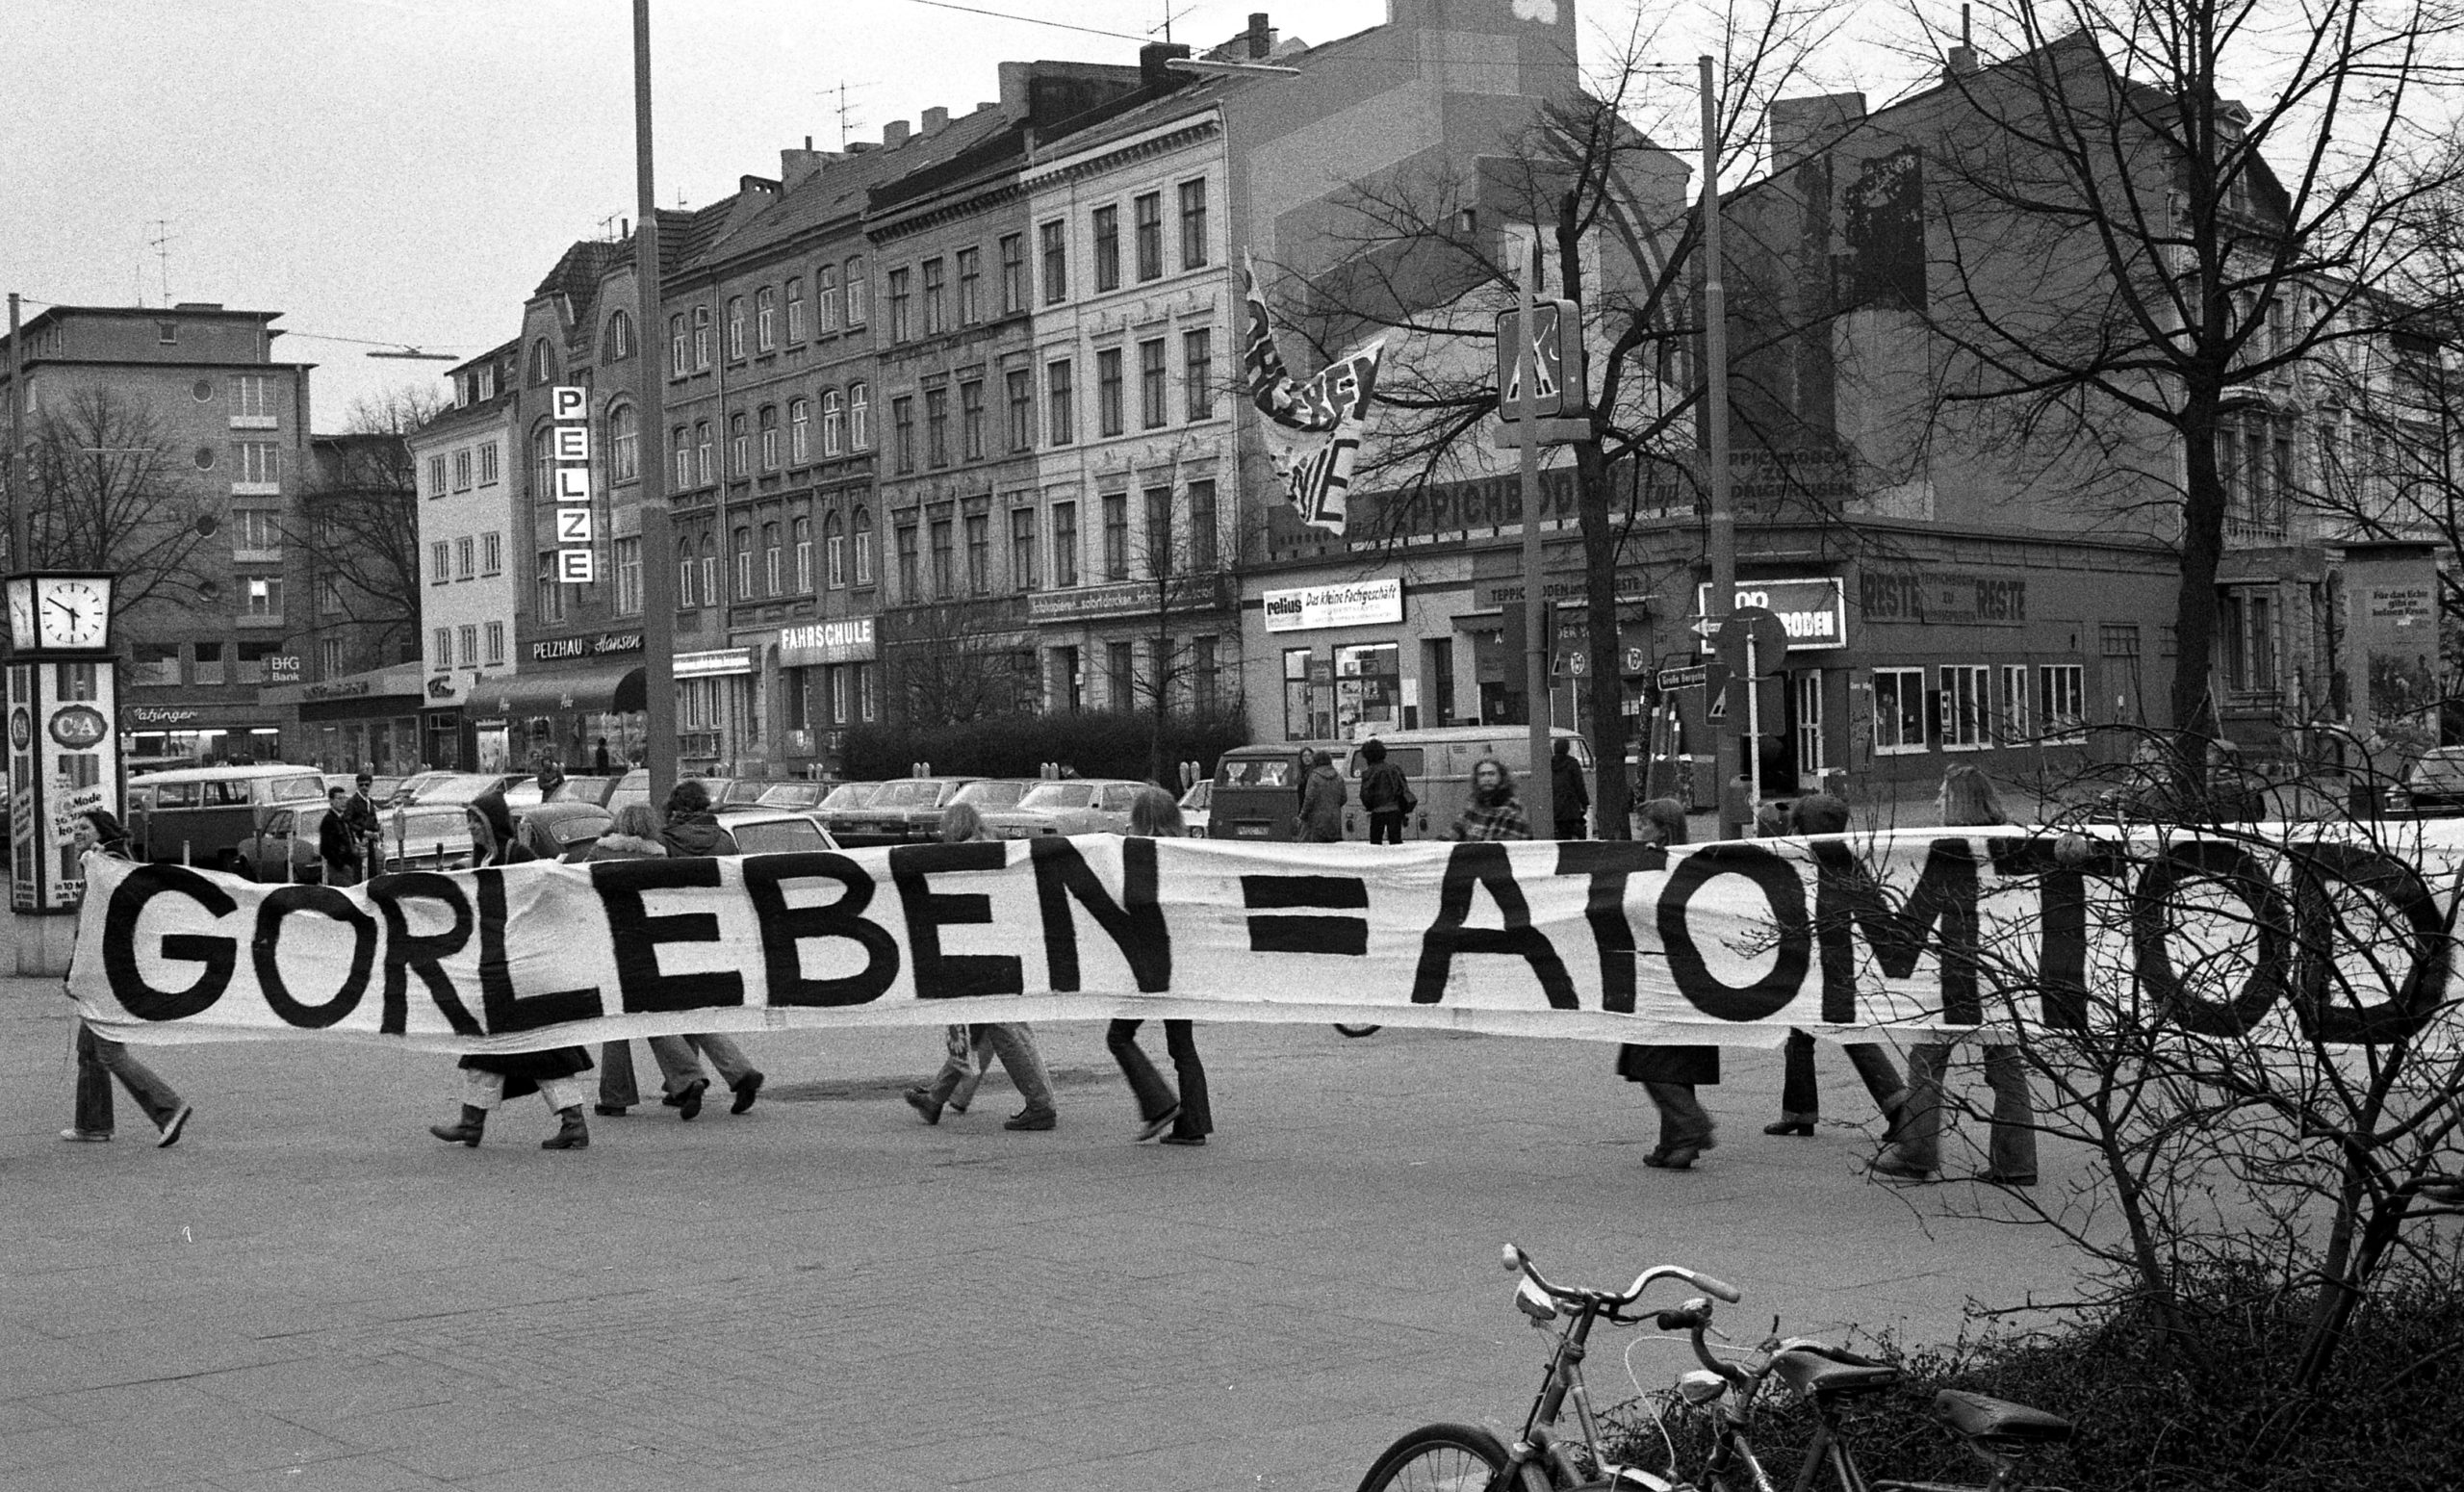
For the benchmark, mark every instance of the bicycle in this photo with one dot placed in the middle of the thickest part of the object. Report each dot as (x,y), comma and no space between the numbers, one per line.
(1455,1457)
(1828,1379)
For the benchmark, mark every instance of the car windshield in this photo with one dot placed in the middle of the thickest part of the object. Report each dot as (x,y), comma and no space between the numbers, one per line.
(784,834)
(850,795)
(573,828)
(1058,795)
(288,789)
(913,793)
(991,795)
(791,795)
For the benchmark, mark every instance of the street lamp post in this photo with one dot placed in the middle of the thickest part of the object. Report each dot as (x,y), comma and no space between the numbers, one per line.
(658,558)
(1720,524)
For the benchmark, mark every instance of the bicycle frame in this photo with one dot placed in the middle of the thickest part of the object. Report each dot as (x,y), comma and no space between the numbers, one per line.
(1564,1381)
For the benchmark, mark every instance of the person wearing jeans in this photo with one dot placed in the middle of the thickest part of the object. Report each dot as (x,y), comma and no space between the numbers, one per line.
(1385,794)
(99,1058)
(971,1048)
(1154,815)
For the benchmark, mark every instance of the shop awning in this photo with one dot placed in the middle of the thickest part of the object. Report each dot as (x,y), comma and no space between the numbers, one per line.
(583,690)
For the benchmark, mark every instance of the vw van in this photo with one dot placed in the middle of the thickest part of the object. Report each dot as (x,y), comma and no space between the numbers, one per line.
(202,816)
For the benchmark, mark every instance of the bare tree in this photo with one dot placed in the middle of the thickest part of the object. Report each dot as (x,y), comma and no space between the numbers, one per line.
(949,664)
(358,524)
(108,493)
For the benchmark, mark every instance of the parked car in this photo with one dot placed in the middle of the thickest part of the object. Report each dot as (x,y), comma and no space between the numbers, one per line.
(905,811)
(2436,780)
(1197,806)
(990,794)
(844,799)
(797,795)
(592,790)
(201,815)
(460,787)
(1071,805)
(634,787)
(576,826)
(770,830)
(437,837)
(739,790)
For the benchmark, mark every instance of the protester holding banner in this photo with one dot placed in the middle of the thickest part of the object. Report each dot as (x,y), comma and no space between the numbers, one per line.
(1494,812)
(487,1081)
(971,1049)
(1966,798)
(632,836)
(691,830)
(1670,1075)
(1154,815)
(99,1059)
(1799,1098)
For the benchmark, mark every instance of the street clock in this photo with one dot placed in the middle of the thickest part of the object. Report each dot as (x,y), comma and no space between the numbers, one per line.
(60,614)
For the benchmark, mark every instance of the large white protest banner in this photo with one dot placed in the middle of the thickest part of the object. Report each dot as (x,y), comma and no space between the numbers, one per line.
(1915,932)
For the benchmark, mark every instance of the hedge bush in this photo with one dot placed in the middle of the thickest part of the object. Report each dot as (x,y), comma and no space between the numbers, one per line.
(2217,1416)
(1098,743)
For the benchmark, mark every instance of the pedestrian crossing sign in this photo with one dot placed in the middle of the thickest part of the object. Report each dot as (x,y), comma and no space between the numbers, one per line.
(1557,379)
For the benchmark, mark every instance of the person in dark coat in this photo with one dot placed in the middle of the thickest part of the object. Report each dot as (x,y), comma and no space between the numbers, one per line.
(1322,802)
(1385,794)
(338,848)
(691,828)
(598,761)
(1568,796)
(1189,1113)
(489,1080)
(1670,1075)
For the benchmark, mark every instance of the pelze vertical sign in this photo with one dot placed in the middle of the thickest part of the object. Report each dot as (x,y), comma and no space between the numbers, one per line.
(570,407)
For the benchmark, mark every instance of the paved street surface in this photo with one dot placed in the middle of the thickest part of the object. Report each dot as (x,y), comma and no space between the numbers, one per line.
(309,1292)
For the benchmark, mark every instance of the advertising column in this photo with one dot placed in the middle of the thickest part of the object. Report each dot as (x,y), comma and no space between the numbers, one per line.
(63,752)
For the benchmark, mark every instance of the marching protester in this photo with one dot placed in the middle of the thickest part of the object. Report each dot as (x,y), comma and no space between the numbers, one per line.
(1967,799)
(1670,1075)
(1385,794)
(99,1059)
(1493,812)
(691,830)
(690,826)
(1322,802)
(1154,815)
(338,848)
(487,1081)
(1800,1099)
(632,836)
(971,1049)
(1568,796)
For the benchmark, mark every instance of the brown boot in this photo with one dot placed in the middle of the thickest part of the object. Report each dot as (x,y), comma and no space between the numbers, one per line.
(474,1120)
(572,1135)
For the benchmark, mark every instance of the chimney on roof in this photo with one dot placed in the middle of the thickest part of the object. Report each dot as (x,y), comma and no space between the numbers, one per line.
(1805,127)
(1260,36)
(936,120)
(894,134)
(795,165)
(1962,58)
(1151,71)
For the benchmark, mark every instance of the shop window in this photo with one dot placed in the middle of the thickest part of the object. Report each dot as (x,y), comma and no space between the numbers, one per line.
(1368,688)
(1302,717)
(1899,710)
(1967,706)
(2015,702)
(2061,702)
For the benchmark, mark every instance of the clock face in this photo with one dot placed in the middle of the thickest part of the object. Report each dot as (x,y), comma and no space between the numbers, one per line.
(21,614)
(71,613)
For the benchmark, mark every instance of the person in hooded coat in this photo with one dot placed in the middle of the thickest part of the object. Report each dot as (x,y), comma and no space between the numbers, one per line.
(487,1081)
(691,828)
(1322,802)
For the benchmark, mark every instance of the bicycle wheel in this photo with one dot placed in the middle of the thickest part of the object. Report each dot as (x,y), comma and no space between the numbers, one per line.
(1450,1458)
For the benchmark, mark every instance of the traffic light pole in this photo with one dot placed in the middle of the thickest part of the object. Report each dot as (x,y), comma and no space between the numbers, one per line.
(1536,636)
(1720,524)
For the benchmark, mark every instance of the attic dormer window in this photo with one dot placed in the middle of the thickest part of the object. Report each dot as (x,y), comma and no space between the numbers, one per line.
(487,384)
(541,368)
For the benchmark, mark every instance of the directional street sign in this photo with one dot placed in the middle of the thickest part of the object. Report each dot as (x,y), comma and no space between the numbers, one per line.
(1556,385)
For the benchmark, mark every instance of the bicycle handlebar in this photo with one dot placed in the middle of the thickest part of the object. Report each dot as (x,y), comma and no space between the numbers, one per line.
(1514,1259)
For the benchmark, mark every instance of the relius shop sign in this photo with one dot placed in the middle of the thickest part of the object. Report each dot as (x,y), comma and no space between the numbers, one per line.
(552,650)
(1355,604)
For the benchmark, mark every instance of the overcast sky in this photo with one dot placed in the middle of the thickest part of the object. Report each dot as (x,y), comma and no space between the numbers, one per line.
(407,170)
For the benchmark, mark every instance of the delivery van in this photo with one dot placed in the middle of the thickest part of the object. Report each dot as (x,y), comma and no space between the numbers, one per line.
(1257,789)
(1438,763)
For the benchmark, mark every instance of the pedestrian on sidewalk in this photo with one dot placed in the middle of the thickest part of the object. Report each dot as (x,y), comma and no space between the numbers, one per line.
(1967,799)
(1800,1095)
(363,825)
(1568,795)
(487,1081)
(1322,802)
(337,849)
(691,830)
(1385,794)
(972,1048)
(1669,1074)
(1154,815)
(1493,812)
(100,1059)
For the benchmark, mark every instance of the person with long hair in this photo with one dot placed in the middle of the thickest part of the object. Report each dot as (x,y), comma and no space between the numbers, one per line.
(1670,1074)
(487,1081)
(1154,815)
(1493,812)
(1967,800)
(99,1058)
(970,1049)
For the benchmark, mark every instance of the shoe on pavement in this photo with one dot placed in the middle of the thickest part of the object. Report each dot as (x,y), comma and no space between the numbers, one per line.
(1900,1171)
(1148,1129)
(171,1127)
(1676,1157)
(1790,1124)
(747,1089)
(1029,1119)
(921,1101)
(87,1136)
(689,1103)
(609,1110)
(1184,1140)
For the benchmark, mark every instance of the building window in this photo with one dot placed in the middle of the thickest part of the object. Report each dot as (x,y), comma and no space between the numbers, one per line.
(678,352)
(167,333)
(1106,248)
(744,564)
(1060,419)
(1159,531)
(1014,273)
(1020,385)
(2015,702)
(702,453)
(1967,707)
(623,445)
(739,445)
(803,535)
(1117,536)
(440,648)
(260,598)
(971,419)
(1065,543)
(1899,710)
(859,293)
(435,476)
(769,437)
(710,596)
(936,309)
(1121,675)
(859,417)
(679,442)
(862,540)
(209,662)
(825,285)
(1108,392)
(1022,549)
(495,644)
(979,554)
(628,576)
(1068,686)
(842,678)
(1154,385)
(440,562)
(2246,630)
(942,586)
(1148,216)
(329,659)
(936,426)
(902,424)
(1197,374)
(490,464)
(1203,554)
(736,328)
(834,545)
(1052,239)
(329,601)
(261,463)
(795,310)
(466,558)
(901,329)
(2118,639)
(251,397)
(701,336)
(907,557)
(543,365)
(1194,224)
(799,431)
(462,469)
(492,554)
(774,561)
(2062,700)
(256,532)
(684,577)
(971,286)
(468,635)
(834,423)
(1204,686)
(765,319)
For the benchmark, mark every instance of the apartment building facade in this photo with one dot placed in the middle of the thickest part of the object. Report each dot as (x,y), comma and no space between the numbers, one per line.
(470,492)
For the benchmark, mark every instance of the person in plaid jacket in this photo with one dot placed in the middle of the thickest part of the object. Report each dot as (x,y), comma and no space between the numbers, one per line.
(1494,812)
